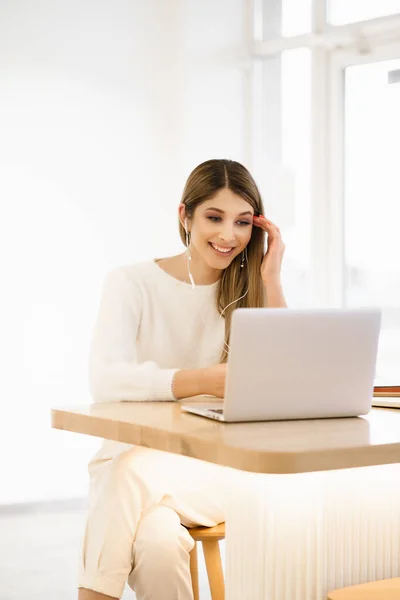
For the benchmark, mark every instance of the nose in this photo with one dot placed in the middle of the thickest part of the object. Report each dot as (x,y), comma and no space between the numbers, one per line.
(226,232)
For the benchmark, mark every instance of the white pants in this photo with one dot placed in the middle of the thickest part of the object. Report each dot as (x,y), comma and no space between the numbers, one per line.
(140,501)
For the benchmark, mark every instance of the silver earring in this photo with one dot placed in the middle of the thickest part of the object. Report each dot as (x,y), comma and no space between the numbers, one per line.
(244,258)
(189,254)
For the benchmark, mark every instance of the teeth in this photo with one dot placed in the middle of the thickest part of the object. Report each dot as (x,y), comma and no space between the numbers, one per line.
(220,249)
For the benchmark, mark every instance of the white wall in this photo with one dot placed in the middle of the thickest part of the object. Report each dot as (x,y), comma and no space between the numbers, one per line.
(105,107)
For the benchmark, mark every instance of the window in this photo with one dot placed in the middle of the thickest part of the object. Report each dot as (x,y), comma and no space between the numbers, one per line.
(330,91)
(372,211)
(296,17)
(296,156)
(287,18)
(341,12)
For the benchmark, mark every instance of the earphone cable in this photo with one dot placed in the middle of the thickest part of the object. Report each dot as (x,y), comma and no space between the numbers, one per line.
(201,311)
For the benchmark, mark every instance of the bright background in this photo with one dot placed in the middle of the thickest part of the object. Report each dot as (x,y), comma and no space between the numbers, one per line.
(106,107)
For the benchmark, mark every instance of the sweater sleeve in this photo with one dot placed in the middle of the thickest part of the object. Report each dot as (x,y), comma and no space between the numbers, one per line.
(114,373)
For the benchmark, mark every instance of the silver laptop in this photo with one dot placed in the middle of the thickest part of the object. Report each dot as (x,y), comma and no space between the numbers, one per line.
(298,364)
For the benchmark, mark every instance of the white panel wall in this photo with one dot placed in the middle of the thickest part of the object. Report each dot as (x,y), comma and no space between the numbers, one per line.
(104,109)
(215,81)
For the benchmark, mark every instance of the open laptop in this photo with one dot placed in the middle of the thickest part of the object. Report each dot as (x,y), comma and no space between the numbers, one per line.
(298,364)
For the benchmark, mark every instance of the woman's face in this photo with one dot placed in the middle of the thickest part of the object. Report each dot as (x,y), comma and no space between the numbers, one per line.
(221,228)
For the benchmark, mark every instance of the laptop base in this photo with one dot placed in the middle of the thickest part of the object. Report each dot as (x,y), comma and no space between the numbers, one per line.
(210,411)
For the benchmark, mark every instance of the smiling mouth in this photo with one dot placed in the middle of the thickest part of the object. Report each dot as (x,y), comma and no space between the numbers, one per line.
(221,250)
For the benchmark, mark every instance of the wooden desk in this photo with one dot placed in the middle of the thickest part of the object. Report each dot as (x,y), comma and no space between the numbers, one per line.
(306,518)
(272,447)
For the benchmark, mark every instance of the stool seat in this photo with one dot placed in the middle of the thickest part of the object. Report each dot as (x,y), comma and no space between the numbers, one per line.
(208,533)
(387,589)
(210,538)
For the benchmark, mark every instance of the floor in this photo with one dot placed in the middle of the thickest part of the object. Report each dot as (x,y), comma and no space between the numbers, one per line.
(39,549)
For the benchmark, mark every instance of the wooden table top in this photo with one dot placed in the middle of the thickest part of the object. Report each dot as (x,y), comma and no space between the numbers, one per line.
(267,447)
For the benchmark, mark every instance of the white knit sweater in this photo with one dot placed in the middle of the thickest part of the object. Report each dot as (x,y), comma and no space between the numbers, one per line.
(150,325)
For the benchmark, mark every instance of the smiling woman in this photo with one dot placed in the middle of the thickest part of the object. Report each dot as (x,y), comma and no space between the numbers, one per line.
(150,344)
(220,223)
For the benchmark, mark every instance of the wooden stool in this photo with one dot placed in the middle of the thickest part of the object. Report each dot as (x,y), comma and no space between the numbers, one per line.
(388,589)
(209,537)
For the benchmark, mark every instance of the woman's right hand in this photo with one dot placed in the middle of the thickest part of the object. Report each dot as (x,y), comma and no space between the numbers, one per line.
(214,380)
(198,382)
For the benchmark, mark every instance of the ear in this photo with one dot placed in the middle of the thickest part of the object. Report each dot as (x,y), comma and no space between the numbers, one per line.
(183,216)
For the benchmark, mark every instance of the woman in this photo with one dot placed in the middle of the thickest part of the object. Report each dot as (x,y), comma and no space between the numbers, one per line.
(162,333)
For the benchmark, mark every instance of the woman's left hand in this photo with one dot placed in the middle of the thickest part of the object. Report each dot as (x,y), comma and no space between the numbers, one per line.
(272,261)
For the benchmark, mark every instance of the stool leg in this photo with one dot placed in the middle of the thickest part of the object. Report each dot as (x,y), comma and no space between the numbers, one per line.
(215,574)
(194,572)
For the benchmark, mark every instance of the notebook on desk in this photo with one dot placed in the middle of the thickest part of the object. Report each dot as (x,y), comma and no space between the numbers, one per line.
(386,394)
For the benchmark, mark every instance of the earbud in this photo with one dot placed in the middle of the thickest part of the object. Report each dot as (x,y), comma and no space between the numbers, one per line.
(189,256)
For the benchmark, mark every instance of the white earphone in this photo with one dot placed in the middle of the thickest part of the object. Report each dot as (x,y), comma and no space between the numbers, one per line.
(189,255)
(189,258)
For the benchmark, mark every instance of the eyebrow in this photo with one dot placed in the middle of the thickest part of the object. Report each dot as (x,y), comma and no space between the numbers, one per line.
(246,212)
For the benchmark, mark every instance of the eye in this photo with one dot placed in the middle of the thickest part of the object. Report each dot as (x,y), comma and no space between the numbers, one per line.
(217,219)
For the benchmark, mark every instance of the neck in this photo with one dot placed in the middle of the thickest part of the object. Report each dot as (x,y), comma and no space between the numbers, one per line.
(202,273)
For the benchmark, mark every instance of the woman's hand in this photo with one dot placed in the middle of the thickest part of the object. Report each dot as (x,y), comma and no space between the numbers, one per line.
(214,380)
(198,382)
(272,261)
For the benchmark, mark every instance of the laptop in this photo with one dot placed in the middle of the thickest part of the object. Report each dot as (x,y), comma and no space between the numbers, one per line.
(298,364)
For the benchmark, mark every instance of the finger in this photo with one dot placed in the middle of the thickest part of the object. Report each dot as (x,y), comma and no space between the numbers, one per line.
(267,226)
(258,223)
(273,224)
(262,222)
(272,229)
(269,221)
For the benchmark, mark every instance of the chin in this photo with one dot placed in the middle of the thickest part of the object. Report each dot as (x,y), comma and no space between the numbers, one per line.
(218,265)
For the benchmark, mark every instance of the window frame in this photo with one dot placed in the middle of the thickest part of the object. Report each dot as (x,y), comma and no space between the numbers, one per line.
(333,48)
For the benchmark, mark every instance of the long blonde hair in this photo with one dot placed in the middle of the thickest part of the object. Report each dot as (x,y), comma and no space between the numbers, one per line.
(203,184)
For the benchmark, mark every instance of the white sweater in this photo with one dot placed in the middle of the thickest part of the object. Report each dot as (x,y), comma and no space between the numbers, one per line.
(150,325)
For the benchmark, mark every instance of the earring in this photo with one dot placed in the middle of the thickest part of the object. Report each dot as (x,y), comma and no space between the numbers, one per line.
(244,258)
(189,254)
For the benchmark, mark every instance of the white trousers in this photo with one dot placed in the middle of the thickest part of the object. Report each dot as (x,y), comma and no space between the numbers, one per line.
(140,502)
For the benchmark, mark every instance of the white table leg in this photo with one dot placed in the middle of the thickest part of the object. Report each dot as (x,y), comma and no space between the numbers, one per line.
(295,537)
